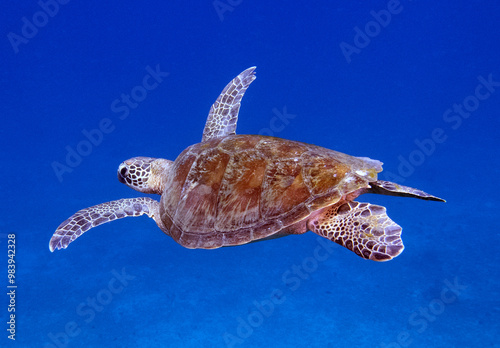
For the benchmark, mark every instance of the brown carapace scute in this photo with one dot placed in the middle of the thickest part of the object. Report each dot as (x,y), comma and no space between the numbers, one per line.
(235,189)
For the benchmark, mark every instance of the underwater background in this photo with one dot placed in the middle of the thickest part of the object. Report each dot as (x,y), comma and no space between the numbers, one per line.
(415,84)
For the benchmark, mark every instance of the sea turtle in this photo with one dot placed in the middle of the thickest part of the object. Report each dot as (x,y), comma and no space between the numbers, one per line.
(234,189)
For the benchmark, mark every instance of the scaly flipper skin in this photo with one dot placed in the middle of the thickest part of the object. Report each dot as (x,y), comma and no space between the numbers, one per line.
(223,114)
(362,228)
(85,219)
(392,189)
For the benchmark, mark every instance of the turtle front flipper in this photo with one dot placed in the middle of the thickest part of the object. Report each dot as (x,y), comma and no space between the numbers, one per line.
(223,114)
(392,189)
(83,220)
(362,228)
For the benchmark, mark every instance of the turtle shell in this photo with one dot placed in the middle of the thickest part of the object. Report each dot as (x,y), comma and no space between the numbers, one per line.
(240,188)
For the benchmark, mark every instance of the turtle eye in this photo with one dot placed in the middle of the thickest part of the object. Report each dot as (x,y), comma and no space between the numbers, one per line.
(123,171)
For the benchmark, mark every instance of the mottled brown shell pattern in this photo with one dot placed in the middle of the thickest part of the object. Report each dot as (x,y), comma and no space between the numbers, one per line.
(241,188)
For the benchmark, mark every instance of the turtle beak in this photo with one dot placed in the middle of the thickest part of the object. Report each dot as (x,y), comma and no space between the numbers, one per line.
(122,171)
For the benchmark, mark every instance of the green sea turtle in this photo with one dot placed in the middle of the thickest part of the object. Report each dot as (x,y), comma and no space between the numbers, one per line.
(234,189)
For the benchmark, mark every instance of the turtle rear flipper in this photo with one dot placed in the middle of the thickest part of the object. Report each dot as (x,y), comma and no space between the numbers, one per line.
(83,220)
(392,189)
(362,228)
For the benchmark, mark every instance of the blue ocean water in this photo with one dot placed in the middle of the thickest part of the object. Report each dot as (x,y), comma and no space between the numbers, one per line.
(415,84)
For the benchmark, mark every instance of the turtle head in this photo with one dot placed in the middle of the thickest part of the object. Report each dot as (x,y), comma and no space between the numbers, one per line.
(144,174)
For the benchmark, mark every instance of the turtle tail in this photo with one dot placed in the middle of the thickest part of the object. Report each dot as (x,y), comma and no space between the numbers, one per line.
(392,189)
